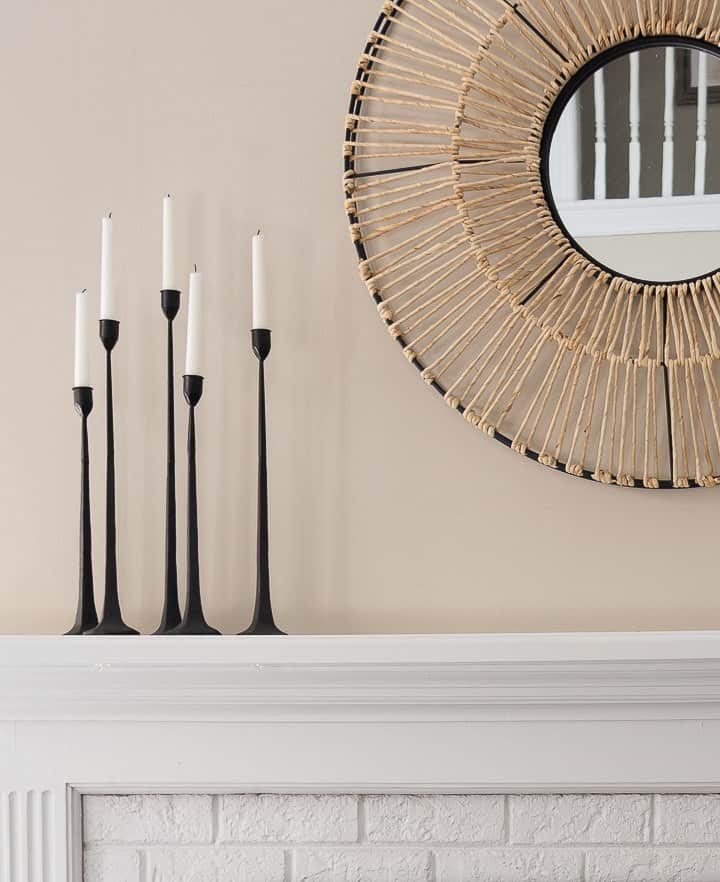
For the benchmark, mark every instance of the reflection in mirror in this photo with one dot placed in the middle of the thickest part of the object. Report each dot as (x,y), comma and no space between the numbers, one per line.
(634,166)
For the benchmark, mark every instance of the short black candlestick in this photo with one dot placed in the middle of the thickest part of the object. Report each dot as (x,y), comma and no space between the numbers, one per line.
(263,622)
(112,622)
(193,620)
(170,303)
(86,618)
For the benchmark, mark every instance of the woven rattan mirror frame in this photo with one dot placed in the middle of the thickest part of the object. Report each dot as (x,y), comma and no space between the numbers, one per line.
(533,342)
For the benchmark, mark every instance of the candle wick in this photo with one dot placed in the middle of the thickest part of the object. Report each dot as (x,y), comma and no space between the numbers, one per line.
(258,232)
(169,196)
(84,291)
(110,216)
(195,267)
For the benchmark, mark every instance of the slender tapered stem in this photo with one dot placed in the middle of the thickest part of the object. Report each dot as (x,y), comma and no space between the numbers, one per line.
(193,551)
(263,621)
(193,620)
(112,600)
(112,621)
(171,613)
(86,618)
(263,543)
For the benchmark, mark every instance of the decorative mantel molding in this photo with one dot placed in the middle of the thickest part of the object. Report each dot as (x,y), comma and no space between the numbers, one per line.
(549,676)
(505,713)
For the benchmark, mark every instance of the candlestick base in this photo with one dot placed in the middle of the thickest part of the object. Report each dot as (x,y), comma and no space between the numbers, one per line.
(263,629)
(194,627)
(113,628)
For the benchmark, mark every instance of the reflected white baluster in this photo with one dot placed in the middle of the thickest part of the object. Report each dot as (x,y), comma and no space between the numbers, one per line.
(669,142)
(635,155)
(565,154)
(600,136)
(702,108)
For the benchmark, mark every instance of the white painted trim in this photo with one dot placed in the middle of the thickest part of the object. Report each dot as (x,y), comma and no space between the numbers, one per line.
(499,713)
(628,217)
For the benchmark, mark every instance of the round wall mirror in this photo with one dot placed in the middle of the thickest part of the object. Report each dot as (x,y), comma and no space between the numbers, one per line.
(633,171)
(533,192)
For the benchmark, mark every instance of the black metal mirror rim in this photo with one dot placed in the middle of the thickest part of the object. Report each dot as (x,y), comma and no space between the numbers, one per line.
(553,119)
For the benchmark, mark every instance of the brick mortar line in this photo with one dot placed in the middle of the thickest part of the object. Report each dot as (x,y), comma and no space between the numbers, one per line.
(652,833)
(407,846)
(362,819)
(144,866)
(215,818)
(289,865)
(432,866)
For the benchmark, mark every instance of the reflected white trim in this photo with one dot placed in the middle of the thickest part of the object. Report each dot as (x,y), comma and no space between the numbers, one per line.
(627,217)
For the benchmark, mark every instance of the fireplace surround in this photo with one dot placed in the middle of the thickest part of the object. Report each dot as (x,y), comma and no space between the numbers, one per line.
(437,715)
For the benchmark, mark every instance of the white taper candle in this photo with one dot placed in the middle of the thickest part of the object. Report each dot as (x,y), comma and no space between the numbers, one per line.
(260,317)
(169,279)
(194,351)
(108,301)
(82,340)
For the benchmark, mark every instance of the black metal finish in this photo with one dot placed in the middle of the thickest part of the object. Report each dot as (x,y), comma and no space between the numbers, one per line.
(86,618)
(170,303)
(382,27)
(263,622)
(193,620)
(112,623)
(556,112)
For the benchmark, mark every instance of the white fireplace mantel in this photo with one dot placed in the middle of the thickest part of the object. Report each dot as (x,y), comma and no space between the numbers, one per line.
(500,713)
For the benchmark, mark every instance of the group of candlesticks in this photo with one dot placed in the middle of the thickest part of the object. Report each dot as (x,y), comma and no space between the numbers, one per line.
(192,620)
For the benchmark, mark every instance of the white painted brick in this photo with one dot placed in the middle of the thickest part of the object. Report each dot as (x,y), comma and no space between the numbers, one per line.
(653,865)
(508,865)
(362,865)
(111,865)
(278,818)
(435,818)
(147,819)
(216,864)
(573,819)
(687,819)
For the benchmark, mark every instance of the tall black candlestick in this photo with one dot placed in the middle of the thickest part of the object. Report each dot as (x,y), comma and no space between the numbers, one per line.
(86,618)
(170,302)
(263,622)
(193,620)
(112,622)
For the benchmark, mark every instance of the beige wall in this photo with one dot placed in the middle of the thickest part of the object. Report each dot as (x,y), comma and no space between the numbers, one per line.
(389,513)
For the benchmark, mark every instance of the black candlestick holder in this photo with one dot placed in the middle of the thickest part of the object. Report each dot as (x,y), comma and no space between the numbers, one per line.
(112,622)
(193,620)
(263,622)
(86,618)
(170,303)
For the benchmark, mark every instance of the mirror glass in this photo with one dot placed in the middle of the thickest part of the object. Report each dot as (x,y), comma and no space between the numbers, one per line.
(634,164)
